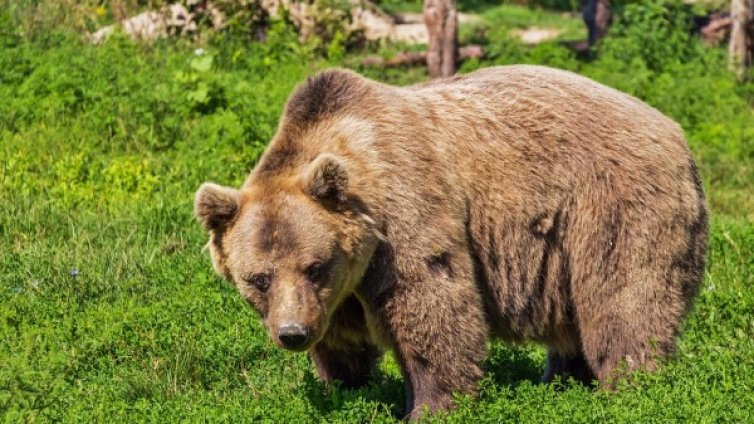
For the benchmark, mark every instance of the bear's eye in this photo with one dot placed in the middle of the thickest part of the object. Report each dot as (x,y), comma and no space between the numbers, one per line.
(259,281)
(316,271)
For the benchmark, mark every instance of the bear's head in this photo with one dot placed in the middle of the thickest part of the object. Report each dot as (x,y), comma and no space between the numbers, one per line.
(295,245)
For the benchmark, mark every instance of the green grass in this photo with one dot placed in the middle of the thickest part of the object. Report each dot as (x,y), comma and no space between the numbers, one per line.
(101,149)
(401,6)
(518,17)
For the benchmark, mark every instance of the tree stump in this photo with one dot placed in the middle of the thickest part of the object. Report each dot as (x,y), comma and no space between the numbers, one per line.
(441,17)
(741,46)
(597,17)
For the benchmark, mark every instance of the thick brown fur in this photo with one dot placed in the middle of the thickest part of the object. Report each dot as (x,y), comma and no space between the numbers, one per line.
(517,202)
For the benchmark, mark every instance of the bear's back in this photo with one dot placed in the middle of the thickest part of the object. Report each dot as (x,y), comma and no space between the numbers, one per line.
(541,129)
(536,103)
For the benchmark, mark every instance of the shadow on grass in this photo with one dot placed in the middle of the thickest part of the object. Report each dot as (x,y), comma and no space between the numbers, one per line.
(506,365)
(384,389)
(511,365)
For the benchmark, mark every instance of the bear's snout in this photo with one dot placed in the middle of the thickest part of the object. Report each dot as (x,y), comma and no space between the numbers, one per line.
(293,336)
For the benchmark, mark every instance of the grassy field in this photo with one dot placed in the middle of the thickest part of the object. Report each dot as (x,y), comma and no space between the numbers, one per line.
(109,309)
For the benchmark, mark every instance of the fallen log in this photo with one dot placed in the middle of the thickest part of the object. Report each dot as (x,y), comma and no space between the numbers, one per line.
(714,28)
(472,51)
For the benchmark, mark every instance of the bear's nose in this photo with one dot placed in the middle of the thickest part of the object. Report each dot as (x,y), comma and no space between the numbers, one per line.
(293,336)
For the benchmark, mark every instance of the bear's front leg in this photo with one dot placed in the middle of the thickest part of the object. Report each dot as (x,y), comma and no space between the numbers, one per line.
(438,331)
(345,353)
(351,367)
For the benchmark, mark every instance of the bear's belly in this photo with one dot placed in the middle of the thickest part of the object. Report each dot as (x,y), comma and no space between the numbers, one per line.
(522,273)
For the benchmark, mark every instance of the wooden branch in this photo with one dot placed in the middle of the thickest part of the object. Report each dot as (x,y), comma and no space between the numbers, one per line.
(716,28)
(415,58)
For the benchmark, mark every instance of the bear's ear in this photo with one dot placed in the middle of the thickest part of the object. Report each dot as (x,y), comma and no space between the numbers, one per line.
(215,206)
(326,179)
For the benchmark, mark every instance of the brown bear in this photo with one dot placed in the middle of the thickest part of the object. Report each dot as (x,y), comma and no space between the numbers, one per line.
(516,202)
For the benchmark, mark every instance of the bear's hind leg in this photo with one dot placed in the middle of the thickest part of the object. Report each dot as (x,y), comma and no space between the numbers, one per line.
(567,365)
(629,313)
(614,345)
(636,259)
